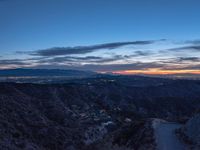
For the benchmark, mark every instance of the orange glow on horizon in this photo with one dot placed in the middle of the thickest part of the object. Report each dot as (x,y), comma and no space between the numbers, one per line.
(157,72)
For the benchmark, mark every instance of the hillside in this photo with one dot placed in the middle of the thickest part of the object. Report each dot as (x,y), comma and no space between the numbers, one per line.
(81,113)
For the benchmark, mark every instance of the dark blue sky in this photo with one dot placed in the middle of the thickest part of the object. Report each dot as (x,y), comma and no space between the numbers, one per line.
(32,25)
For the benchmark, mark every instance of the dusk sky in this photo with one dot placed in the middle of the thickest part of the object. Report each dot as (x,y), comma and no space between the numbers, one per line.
(119,36)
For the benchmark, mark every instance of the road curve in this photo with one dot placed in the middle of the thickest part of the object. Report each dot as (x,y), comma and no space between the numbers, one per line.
(165,135)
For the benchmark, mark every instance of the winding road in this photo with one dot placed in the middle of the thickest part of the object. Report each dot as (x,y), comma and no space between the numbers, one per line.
(165,135)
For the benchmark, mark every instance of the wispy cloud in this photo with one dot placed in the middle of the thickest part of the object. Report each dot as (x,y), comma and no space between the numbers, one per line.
(72,60)
(57,51)
(192,59)
(194,42)
(142,57)
(105,67)
(185,48)
(87,59)
(12,62)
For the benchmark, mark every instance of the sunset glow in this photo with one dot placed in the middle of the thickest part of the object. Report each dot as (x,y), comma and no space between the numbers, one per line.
(157,72)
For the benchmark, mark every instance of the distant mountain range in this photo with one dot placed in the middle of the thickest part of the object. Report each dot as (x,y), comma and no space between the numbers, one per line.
(43,72)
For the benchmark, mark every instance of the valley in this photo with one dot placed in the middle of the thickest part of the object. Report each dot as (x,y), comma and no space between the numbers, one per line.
(110,112)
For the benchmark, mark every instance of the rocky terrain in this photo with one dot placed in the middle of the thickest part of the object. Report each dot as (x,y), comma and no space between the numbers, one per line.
(190,132)
(102,112)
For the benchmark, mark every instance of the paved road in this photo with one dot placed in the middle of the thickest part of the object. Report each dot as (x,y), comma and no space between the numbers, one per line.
(165,136)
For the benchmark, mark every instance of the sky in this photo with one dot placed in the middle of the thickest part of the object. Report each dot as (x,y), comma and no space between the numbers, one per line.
(118,36)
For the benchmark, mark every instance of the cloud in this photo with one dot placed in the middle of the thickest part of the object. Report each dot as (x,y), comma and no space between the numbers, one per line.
(193,67)
(142,53)
(100,64)
(183,67)
(62,58)
(192,59)
(104,67)
(12,62)
(70,60)
(87,59)
(58,51)
(194,42)
(93,59)
(185,48)
(179,61)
